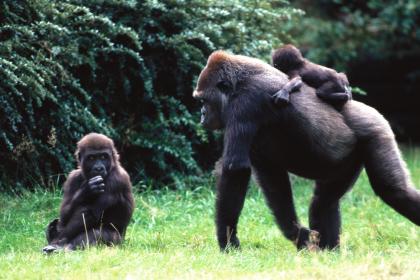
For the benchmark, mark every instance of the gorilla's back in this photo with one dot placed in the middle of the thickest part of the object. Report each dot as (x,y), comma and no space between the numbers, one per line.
(310,137)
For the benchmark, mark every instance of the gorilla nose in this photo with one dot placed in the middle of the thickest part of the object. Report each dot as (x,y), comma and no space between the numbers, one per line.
(98,168)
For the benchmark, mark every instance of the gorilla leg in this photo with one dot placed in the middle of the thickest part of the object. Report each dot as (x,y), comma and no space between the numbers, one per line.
(80,221)
(52,231)
(232,186)
(278,194)
(389,177)
(324,212)
(93,237)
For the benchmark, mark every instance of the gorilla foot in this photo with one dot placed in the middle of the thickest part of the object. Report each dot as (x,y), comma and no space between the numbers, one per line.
(49,249)
(308,239)
(233,245)
(230,243)
(313,242)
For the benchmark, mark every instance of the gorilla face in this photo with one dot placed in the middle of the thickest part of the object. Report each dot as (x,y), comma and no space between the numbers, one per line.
(211,114)
(96,162)
(213,91)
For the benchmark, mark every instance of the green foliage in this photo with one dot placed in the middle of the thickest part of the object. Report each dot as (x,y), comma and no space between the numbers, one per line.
(343,30)
(120,67)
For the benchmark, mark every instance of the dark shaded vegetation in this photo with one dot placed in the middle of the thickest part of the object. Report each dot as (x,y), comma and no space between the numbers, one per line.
(377,43)
(122,68)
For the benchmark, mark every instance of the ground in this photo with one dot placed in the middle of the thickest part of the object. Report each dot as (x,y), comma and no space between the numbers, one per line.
(172,235)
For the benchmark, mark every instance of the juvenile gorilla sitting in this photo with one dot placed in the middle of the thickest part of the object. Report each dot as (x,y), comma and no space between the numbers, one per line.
(330,86)
(97,203)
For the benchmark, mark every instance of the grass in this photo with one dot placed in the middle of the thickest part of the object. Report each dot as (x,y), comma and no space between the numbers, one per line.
(172,236)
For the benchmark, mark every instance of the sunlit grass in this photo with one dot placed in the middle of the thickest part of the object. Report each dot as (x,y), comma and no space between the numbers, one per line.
(172,236)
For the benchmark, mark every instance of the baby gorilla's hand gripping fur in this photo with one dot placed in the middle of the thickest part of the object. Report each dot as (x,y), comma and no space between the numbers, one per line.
(282,97)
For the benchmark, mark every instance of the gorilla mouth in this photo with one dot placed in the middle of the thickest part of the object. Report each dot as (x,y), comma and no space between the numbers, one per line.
(98,173)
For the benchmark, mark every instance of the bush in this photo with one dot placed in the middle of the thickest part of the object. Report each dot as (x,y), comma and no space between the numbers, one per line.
(122,68)
(342,31)
(377,43)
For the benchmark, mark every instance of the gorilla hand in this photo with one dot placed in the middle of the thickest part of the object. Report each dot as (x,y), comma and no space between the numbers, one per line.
(96,185)
(282,96)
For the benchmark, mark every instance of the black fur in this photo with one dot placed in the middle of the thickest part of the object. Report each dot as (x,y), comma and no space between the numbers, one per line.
(308,138)
(330,86)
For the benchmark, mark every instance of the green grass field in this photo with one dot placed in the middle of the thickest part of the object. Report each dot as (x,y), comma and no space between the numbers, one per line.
(172,236)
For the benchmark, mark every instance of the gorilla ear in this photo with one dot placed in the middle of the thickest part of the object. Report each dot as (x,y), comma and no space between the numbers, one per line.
(225,87)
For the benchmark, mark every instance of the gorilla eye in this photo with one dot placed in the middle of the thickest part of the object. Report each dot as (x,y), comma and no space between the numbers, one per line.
(224,86)
(91,157)
(104,156)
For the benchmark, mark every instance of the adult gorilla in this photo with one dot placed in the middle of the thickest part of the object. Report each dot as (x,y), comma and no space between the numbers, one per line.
(308,138)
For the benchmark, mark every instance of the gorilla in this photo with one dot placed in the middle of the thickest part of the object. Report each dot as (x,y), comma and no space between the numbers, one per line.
(97,204)
(309,138)
(329,85)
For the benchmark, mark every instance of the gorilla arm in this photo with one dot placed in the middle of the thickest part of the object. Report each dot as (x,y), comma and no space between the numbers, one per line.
(74,193)
(245,116)
(116,208)
(244,119)
(77,191)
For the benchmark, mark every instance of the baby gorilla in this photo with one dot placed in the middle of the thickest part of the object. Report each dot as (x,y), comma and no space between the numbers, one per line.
(97,203)
(330,86)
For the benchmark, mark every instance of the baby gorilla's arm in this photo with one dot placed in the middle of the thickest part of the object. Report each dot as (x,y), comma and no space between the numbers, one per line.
(282,97)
